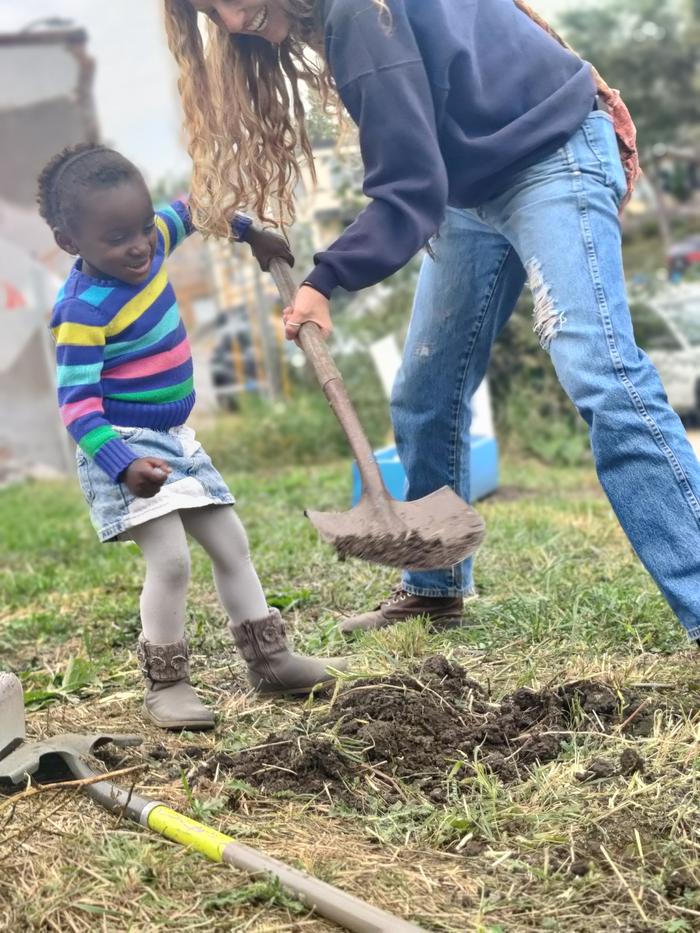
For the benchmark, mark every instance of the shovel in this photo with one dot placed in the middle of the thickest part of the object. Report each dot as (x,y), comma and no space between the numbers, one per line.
(431,533)
(20,759)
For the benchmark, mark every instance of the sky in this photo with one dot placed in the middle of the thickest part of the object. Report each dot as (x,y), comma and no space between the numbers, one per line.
(135,87)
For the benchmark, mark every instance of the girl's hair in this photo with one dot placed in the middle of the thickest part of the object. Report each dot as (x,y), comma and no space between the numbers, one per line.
(78,168)
(244,112)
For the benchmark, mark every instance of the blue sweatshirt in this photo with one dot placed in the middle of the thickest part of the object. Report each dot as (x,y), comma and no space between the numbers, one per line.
(451,98)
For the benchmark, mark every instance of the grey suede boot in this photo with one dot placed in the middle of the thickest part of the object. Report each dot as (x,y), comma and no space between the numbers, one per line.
(272,668)
(170,701)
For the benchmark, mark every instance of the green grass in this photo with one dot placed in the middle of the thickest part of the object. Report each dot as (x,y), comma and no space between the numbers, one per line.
(561,596)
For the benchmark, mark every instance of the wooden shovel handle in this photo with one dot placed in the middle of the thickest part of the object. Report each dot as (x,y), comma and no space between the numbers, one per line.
(313,344)
(330,380)
(344,909)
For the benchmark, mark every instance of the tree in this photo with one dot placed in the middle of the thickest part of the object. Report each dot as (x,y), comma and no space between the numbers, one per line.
(321,125)
(650,50)
(167,189)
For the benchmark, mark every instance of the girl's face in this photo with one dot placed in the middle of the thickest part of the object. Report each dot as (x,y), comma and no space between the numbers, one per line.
(269,20)
(116,235)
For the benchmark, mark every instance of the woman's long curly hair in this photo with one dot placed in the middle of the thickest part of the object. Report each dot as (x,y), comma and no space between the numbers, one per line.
(245,113)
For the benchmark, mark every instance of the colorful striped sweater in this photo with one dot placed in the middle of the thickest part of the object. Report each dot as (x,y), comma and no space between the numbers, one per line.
(122,353)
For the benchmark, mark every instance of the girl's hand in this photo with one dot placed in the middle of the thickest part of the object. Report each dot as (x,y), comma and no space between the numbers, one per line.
(267,246)
(309,305)
(145,476)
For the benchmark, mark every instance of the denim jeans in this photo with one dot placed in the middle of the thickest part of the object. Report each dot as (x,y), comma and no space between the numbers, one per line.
(557,226)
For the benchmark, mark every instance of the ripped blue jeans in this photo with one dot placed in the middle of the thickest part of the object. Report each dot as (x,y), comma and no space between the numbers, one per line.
(556,226)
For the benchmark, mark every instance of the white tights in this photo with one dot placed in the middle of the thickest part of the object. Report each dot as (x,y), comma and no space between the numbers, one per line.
(163,542)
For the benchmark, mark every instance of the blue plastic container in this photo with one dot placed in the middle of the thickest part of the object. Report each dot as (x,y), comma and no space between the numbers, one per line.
(483,470)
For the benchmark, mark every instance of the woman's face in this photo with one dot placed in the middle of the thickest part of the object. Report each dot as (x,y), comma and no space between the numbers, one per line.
(269,19)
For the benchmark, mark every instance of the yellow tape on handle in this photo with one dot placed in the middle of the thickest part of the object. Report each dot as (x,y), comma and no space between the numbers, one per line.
(187,832)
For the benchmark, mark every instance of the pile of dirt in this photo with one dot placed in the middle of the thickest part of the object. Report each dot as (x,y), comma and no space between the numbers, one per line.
(422,726)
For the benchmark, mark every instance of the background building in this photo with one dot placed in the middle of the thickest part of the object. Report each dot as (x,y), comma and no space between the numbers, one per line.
(46,103)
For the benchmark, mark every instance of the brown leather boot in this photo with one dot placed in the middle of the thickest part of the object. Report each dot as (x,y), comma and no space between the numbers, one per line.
(441,611)
(272,668)
(171,701)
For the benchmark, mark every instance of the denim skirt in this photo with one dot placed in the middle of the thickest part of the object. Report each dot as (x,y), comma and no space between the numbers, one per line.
(194,482)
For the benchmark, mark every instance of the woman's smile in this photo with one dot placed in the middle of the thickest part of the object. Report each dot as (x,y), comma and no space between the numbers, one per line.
(259,22)
(269,20)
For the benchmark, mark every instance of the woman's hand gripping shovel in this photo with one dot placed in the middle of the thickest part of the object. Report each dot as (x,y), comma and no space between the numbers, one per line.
(21,759)
(437,531)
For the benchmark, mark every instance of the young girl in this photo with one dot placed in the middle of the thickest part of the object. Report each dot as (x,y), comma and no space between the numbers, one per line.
(125,391)
(474,122)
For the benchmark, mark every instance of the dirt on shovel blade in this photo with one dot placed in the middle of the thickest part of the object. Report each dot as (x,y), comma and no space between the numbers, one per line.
(437,531)
(411,551)
(421,728)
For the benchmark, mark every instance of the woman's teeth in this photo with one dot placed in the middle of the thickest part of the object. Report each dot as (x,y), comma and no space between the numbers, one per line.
(260,21)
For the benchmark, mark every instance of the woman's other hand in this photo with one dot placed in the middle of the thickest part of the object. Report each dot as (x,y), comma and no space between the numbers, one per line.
(309,305)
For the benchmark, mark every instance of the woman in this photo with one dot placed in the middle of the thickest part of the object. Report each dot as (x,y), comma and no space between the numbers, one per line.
(474,123)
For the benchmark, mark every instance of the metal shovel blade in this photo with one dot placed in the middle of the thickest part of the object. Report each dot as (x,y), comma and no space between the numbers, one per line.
(19,757)
(431,533)
(29,757)
(12,722)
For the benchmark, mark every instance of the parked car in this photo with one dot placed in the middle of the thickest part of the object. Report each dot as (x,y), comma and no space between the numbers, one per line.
(682,256)
(667,328)
(233,362)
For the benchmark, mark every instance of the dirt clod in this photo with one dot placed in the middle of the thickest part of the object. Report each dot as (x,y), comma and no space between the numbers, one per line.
(597,770)
(631,762)
(421,727)
(680,881)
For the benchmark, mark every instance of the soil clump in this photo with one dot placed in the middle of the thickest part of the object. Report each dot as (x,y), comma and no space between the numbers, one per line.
(422,727)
